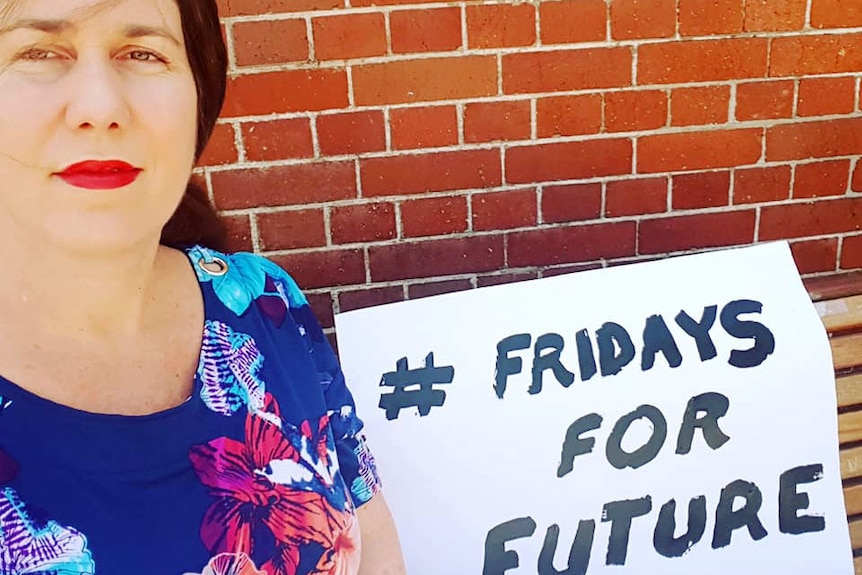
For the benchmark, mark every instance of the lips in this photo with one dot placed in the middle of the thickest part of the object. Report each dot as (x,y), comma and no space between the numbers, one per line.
(100,175)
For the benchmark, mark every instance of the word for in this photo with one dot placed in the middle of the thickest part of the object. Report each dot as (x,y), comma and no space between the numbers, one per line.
(737,508)
(702,412)
(414,387)
(616,349)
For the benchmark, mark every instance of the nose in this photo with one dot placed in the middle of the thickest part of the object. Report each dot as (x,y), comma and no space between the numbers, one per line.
(97,99)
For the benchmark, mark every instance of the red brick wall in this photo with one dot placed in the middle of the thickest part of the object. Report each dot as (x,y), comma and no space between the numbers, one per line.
(391,149)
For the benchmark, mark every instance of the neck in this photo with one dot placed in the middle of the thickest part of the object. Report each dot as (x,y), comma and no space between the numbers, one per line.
(81,294)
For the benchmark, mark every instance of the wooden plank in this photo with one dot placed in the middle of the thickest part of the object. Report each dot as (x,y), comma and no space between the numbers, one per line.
(856,534)
(846,351)
(853,499)
(841,314)
(850,427)
(857,565)
(851,463)
(849,388)
(834,286)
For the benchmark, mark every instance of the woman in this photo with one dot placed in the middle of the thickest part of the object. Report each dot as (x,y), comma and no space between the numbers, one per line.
(129,443)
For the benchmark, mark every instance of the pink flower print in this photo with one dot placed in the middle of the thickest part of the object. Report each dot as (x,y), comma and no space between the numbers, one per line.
(230,564)
(282,484)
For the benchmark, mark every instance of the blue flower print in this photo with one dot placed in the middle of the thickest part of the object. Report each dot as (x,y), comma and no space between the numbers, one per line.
(30,545)
(239,279)
(228,370)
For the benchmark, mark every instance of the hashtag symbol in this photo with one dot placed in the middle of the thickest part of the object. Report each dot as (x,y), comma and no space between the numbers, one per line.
(414,387)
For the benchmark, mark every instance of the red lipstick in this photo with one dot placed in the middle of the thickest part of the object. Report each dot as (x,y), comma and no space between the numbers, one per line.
(100,175)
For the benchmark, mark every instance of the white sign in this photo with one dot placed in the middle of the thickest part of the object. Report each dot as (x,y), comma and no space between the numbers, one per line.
(672,417)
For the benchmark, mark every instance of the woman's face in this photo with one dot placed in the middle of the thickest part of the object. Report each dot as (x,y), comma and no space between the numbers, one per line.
(98,113)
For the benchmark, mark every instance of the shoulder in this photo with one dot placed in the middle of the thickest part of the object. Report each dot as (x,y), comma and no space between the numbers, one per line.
(240,278)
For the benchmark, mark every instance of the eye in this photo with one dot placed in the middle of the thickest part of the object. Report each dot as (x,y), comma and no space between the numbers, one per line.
(144,56)
(37,54)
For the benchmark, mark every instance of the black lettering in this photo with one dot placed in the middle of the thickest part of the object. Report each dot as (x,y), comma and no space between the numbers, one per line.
(543,361)
(764,341)
(586,357)
(506,365)
(574,445)
(647,452)
(699,330)
(579,555)
(790,501)
(621,513)
(727,520)
(657,338)
(712,405)
(664,541)
(609,336)
(498,559)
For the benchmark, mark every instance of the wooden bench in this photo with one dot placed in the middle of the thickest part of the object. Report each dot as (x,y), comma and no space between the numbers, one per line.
(839,301)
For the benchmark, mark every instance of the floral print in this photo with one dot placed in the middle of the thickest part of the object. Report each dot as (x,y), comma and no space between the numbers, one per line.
(270,494)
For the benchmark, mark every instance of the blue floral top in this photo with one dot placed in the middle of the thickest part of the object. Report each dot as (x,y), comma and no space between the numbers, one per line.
(260,472)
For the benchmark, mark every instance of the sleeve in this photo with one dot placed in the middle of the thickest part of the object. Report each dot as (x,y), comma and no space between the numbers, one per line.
(354,457)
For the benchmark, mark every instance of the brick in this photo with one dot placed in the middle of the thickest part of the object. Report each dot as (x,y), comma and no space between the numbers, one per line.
(284,185)
(501,25)
(697,231)
(321,305)
(342,37)
(815,255)
(436,172)
(423,127)
(432,30)
(565,70)
(571,203)
(823,139)
(270,42)
(699,150)
(764,100)
(504,210)
(811,218)
(810,55)
(836,13)
(278,139)
(700,190)
(434,216)
(635,197)
(221,147)
(821,179)
(634,19)
(228,8)
(701,105)
(630,110)
(405,81)
(570,21)
(351,132)
(285,91)
(420,290)
(851,252)
(360,299)
(494,121)
(432,258)
(774,15)
(702,60)
(856,182)
(324,268)
(508,278)
(238,233)
(364,3)
(362,223)
(754,185)
(568,161)
(824,96)
(571,244)
(291,229)
(705,17)
(569,115)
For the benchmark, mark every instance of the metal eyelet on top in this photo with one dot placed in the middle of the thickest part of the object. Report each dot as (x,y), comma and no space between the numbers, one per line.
(216,267)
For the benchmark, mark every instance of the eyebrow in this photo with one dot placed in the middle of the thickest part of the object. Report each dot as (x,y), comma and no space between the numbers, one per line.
(60,26)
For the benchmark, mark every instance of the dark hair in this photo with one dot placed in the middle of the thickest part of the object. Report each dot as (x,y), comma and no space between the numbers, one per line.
(195,220)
